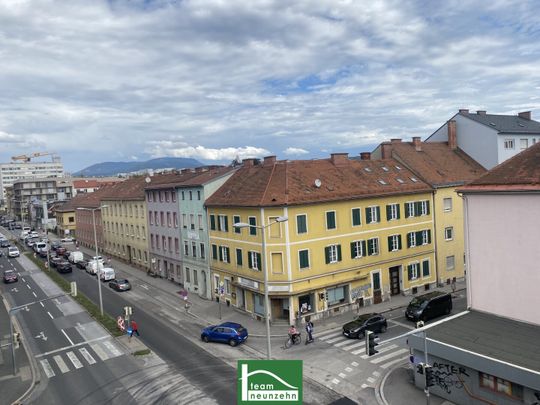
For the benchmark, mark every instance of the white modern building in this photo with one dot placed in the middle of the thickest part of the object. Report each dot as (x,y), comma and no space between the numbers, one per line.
(489,139)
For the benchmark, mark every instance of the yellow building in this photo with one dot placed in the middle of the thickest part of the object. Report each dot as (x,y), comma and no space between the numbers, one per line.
(445,167)
(123,216)
(357,233)
(65,219)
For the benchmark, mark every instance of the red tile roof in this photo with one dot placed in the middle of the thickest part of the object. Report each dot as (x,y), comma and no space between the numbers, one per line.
(519,173)
(283,183)
(130,189)
(435,162)
(90,183)
(189,177)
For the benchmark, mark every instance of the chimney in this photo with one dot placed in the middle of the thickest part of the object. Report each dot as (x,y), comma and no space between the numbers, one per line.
(417,142)
(248,162)
(366,156)
(339,159)
(452,134)
(525,114)
(463,110)
(481,112)
(386,150)
(269,160)
(395,140)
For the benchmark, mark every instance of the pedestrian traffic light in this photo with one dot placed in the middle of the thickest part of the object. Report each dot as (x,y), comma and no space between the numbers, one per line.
(430,377)
(326,295)
(370,343)
(420,368)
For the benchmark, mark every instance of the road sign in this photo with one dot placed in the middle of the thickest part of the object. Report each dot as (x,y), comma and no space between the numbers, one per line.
(121,323)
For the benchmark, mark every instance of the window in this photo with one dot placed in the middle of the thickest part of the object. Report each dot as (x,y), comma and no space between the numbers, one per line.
(184,220)
(239,261)
(164,243)
(253,223)
(162,218)
(191,195)
(157,242)
(212,222)
(301,224)
(394,243)
(254,260)
(199,195)
(186,248)
(170,244)
(175,219)
(425,268)
(411,239)
(332,254)
(373,214)
(373,246)
(450,263)
(523,144)
(194,249)
(150,196)
(224,254)
(358,249)
(161,196)
(152,240)
(356,220)
(200,218)
(151,218)
(303,259)
(331,220)
(508,144)
(156,217)
(202,252)
(176,246)
(449,233)
(183,196)
(425,236)
(173,196)
(223,223)
(195,278)
(412,271)
(499,385)
(236,220)
(409,208)
(447,203)
(423,207)
(188,275)
(167,196)
(392,212)
(336,295)
(169,223)
(192,221)
(214,252)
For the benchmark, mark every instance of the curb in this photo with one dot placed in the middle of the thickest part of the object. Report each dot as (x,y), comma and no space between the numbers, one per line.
(379,389)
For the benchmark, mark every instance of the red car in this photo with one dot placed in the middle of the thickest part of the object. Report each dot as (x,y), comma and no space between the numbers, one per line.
(10,276)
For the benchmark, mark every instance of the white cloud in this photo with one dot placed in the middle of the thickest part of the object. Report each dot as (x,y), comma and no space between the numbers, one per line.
(212,154)
(295,151)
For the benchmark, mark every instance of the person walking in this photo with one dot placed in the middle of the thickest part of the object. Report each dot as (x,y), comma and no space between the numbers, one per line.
(134,328)
(309,330)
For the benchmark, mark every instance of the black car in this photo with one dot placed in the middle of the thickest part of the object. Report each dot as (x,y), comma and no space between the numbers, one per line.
(81,264)
(43,253)
(4,243)
(428,306)
(10,276)
(356,329)
(55,245)
(120,285)
(56,260)
(64,267)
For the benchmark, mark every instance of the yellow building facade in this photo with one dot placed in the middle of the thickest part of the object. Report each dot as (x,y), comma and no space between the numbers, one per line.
(65,221)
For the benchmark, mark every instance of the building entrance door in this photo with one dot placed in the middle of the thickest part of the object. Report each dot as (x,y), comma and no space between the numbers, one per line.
(394,280)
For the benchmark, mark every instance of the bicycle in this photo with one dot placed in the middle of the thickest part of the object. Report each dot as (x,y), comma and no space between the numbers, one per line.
(295,340)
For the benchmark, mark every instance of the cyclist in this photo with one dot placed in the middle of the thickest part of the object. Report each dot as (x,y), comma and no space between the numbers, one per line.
(293,333)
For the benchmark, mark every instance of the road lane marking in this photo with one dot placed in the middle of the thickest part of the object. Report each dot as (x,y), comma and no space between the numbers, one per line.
(327,334)
(87,356)
(335,381)
(42,304)
(404,325)
(342,375)
(391,363)
(47,368)
(345,342)
(35,295)
(61,364)
(381,350)
(75,360)
(112,348)
(100,352)
(354,346)
(376,374)
(50,315)
(364,386)
(28,285)
(389,356)
(22,278)
(69,347)
(67,337)
(335,339)
(144,286)
(371,380)
(348,369)
(354,364)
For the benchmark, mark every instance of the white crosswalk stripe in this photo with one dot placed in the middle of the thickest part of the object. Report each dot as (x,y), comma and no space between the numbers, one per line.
(329,334)
(87,356)
(47,368)
(335,339)
(61,364)
(99,351)
(112,348)
(354,346)
(382,350)
(389,356)
(75,360)
(395,361)
(346,342)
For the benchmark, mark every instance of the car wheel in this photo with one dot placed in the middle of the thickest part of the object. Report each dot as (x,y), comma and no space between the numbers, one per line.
(232,342)
(205,339)
(447,311)
(383,328)
(361,335)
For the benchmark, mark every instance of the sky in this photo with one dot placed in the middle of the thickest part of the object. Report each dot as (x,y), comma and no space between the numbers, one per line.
(118,80)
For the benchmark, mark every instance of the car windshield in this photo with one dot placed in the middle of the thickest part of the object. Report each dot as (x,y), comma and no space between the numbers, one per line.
(9,273)
(363,318)
(418,303)
(240,330)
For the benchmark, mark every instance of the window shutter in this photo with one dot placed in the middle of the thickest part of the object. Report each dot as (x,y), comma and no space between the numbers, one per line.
(338,253)
(409,271)
(228,254)
(250,260)
(398,213)
(389,243)
(370,247)
(425,268)
(212,222)
(353,253)
(239,257)
(327,254)
(388,212)
(368,215)
(427,207)
(214,252)
(418,237)
(364,251)
(429,236)
(221,253)
(399,242)
(226,224)
(417,208)
(409,235)
(259,261)
(356,216)
(378,209)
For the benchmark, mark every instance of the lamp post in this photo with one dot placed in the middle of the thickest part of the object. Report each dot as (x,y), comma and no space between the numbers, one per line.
(265,272)
(96,246)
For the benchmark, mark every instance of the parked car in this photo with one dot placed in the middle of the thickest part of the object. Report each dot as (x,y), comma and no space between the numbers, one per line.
(67,239)
(429,306)
(4,243)
(121,284)
(60,251)
(55,245)
(39,246)
(13,251)
(10,276)
(56,260)
(107,274)
(64,267)
(81,264)
(75,256)
(356,329)
(43,253)
(228,332)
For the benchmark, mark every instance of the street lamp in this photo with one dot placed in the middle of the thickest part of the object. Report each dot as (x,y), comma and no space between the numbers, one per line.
(96,246)
(265,271)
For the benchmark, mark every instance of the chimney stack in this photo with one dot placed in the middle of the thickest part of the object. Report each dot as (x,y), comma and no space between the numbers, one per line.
(452,134)
(269,160)
(366,156)
(248,162)
(525,114)
(339,159)
(464,110)
(481,112)
(395,140)
(417,143)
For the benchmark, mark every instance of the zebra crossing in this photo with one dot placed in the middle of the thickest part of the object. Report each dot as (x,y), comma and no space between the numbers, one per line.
(75,358)
(387,355)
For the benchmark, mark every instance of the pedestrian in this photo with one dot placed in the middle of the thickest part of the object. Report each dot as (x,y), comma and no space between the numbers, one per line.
(134,328)
(309,330)
(453,285)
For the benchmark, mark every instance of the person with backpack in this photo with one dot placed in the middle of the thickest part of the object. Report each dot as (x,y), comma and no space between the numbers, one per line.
(309,330)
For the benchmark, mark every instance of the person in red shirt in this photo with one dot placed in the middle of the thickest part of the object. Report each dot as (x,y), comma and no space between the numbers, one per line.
(134,328)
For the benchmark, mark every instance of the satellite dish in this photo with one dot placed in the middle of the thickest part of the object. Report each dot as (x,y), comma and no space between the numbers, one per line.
(148,179)
(318,183)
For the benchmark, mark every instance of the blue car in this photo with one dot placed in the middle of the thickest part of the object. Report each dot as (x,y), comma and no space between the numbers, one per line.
(228,332)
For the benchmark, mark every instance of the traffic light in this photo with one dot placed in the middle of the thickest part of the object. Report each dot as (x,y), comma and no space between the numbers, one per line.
(430,377)
(16,340)
(420,368)
(326,295)
(370,343)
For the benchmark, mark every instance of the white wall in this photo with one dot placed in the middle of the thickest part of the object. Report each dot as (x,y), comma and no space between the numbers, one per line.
(503,254)
(505,154)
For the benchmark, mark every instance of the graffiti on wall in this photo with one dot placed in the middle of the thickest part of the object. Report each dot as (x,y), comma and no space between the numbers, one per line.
(357,292)
(446,376)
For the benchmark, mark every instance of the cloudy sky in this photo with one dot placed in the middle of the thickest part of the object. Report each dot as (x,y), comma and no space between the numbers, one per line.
(126,80)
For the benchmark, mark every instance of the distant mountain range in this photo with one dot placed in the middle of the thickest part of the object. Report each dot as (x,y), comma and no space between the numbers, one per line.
(114,168)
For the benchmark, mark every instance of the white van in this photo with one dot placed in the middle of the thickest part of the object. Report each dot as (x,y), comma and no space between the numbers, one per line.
(92,266)
(24,234)
(107,274)
(76,256)
(13,251)
(40,247)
